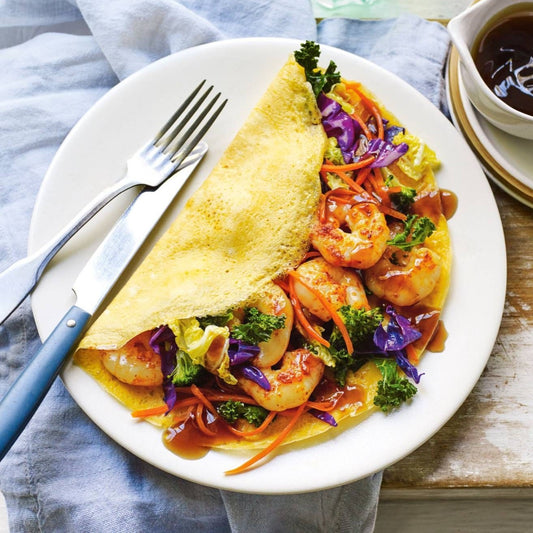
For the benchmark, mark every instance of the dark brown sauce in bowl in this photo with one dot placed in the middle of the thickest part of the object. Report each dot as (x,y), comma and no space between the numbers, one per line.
(503,54)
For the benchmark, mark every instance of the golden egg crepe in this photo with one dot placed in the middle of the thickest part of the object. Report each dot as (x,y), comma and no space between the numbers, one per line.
(247,224)
(276,205)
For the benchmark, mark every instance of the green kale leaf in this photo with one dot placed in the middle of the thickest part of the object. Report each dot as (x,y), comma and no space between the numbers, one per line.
(257,326)
(361,325)
(219,320)
(320,80)
(416,231)
(403,199)
(393,390)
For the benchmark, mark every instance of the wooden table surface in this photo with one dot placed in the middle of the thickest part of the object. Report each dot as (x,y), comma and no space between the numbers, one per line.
(489,441)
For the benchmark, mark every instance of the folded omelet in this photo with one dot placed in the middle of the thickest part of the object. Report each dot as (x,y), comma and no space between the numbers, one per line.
(246,225)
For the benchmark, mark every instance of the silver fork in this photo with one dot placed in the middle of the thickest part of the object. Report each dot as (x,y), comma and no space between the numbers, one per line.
(168,152)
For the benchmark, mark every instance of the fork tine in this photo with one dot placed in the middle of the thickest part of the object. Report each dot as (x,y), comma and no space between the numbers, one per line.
(177,142)
(170,136)
(178,157)
(178,112)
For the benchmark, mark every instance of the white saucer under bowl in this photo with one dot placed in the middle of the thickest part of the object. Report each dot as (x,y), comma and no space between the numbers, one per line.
(506,159)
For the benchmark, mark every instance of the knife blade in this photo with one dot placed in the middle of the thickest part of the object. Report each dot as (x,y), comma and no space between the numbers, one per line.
(93,284)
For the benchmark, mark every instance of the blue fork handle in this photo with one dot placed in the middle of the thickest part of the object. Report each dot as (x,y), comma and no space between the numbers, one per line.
(27,392)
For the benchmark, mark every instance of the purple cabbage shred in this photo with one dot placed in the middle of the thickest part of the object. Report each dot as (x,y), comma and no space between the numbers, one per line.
(385,152)
(163,342)
(239,352)
(391,132)
(337,123)
(399,332)
(395,338)
(409,369)
(325,417)
(253,373)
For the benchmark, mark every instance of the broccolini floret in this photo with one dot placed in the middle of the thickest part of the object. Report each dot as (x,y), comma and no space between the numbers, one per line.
(186,372)
(232,410)
(393,390)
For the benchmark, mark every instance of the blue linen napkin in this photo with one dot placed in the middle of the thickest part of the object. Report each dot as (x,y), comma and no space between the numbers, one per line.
(57,57)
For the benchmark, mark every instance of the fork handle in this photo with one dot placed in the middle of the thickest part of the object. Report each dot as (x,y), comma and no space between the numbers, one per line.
(19,279)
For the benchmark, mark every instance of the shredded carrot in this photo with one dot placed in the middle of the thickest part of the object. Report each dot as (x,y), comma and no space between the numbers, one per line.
(200,395)
(393,190)
(282,283)
(272,446)
(349,181)
(257,430)
(199,417)
(224,397)
(361,123)
(302,319)
(310,255)
(191,400)
(369,104)
(331,310)
(150,411)
(321,406)
(375,185)
(350,166)
(362,175)
(378,177)
(337,169)
(392,212)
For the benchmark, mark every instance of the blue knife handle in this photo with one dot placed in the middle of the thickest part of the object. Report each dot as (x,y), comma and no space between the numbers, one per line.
(27,392)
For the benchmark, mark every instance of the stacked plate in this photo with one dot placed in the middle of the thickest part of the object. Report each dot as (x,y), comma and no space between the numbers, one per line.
(506,159)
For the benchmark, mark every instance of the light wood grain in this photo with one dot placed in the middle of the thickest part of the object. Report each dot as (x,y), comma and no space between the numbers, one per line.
(455,511)
(489,442)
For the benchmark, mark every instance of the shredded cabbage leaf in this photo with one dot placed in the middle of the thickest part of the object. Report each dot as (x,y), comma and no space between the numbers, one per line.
(194,340)
(418,159)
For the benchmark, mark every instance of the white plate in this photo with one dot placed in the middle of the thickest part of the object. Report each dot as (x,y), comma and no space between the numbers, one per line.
(94,153)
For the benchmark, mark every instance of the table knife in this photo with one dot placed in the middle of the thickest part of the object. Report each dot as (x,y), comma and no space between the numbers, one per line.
(91,287)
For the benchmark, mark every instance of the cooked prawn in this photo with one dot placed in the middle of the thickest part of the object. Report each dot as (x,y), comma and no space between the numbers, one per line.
(274,302)
(404,278)
(363,246)
(340,286)
(135,363)
(290,385)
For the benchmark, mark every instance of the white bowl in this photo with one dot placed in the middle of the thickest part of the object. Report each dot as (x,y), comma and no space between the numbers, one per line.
(463,30)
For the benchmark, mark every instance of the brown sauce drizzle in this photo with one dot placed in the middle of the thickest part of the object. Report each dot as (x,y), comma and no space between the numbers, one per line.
(329,391)
(449,202)
(437,342)
(434,203)
(187,441)
(427,321)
